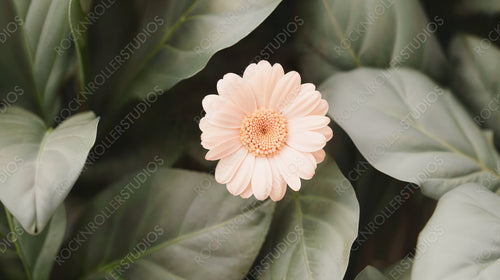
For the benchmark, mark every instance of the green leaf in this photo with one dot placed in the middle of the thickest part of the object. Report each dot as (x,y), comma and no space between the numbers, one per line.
(78,11)
(375,33)
(40,250)
(40,165)
(411,129)
(399,271)
(462,238)
(37,67)
(178,224)
(191,32)
(15,70)
(312,231)
(476,64)
(370,273)
(478,6)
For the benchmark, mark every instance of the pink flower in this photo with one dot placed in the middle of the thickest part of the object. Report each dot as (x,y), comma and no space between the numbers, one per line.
(266,128)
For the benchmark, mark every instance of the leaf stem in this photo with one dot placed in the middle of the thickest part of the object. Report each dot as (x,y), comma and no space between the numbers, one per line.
(16,244)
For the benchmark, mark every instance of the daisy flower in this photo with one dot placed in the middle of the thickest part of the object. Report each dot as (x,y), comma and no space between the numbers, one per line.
(266,129)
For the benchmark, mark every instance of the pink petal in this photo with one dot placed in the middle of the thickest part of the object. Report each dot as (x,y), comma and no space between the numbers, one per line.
(204,125)
(287,171)
(223,149)
(263,78)
(250,71)
(239,91)
(213,103)
(307,123)
(210,102)
(305,103)
(242,177)
(279,185)
(276,74)
(227,166)
(326,131)
(278,192)
(247,192)
(311,159)
(302,165)
(224,118)
(321,109)
(213,136)
(285,92)
(319,155)
(262,179)
(307,87)
(306,141)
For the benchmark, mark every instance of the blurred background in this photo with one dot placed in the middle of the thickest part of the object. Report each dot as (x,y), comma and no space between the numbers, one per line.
(283,37)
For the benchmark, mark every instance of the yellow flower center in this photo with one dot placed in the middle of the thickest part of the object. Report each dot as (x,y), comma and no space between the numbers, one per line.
(263,132)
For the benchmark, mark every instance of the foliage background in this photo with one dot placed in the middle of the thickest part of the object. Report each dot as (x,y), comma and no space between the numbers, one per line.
(170,127)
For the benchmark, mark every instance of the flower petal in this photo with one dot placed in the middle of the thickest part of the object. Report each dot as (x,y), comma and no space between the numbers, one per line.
(300,164)
(238,90)
(251,71)
(311,159)
(222,118)
(307,123)
(278,192)
(223,149)
(279,185)
(263,78)
(287,171)
(243,175)
(285,92)
(321,109)
(307,87)
(247,192)
(256,73)
(303,105)
(214,103)
(227,166)
(262,179)
(210,102)
(204,125)
(306,141)
(213,136)
(326,131)
(319,155)
(277,73)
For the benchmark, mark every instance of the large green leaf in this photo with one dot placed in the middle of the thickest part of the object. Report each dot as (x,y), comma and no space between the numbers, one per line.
(409,128)
(478,6)
(40,164)
(29,57)
(312,231)
(476,64)
(462,238)
(200,230)
(399,271)
(191,31)
(370,273)
(375,33)
(78,20)
(38,251)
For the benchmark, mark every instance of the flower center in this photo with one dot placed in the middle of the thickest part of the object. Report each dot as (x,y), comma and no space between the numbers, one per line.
(263,132)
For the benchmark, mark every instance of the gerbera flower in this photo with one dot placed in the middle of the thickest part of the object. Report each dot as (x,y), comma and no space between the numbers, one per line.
(266,128)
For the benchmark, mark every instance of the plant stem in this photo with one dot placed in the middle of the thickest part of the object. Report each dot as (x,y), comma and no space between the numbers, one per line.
(16,244)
